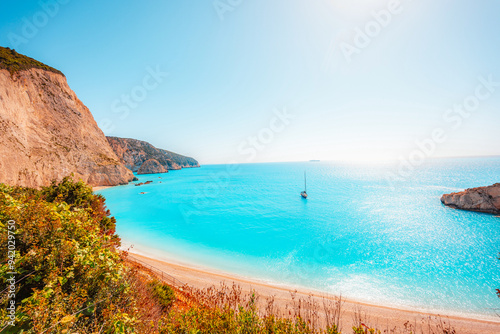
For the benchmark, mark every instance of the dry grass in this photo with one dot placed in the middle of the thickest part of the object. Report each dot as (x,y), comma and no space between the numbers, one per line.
(228,309)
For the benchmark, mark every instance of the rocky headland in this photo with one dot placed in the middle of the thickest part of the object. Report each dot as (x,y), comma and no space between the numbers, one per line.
(142,157)
(483,199)
(46,132)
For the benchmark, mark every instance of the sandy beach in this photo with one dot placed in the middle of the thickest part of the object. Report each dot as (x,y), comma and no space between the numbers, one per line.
(94,189)
(382,317)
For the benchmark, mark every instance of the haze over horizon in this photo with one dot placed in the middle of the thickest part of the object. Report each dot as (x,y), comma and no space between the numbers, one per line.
(291,80)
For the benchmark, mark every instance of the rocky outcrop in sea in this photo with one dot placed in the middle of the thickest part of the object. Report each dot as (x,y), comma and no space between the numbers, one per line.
(483,199)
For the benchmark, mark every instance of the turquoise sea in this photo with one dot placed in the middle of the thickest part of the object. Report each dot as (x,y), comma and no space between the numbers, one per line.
(357,234)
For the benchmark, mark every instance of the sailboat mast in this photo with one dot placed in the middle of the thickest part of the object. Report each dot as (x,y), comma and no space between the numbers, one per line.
(305,182)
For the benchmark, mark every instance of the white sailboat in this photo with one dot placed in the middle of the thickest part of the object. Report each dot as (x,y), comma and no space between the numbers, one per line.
(304,193)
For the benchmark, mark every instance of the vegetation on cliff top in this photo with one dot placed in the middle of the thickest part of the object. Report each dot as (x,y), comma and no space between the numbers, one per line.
(15,62)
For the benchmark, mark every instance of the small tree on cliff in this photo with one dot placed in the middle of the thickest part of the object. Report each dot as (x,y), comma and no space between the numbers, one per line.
(79,195)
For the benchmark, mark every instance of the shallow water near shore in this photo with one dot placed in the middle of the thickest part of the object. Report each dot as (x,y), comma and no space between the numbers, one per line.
(389,243)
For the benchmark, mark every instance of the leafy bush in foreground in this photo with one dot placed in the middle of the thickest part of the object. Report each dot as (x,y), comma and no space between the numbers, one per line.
(70,274)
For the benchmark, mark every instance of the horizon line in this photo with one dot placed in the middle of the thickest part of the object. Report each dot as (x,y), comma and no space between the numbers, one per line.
(353,161)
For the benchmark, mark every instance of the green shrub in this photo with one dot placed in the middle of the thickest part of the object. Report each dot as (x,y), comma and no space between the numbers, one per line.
(365,330)
(79,195)
(76,194)
(163,293)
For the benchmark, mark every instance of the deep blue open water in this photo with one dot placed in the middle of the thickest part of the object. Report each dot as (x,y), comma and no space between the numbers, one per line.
(357,234)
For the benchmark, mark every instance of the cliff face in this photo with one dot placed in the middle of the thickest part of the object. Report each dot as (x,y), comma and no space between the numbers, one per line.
(484,199)
(134,153)
(151,166)
(47,133)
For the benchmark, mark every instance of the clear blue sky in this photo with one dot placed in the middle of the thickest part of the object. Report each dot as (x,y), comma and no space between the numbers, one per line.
(227,76)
